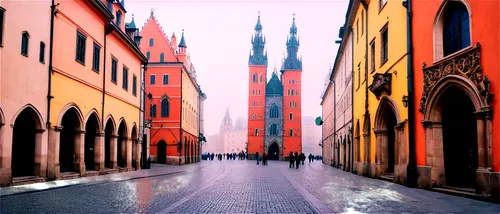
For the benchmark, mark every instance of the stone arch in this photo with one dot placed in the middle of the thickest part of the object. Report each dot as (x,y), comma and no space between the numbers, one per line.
(438,25)
(2,118)
(357,149)
(78,112)
(26,156)
(35,113)
(93,112)
(390,139)
(435,140)
(111,119)
(124,145)
(136,161)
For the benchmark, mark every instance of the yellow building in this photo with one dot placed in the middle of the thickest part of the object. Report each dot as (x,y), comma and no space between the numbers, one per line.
(190,122)
(380,86)
(95,90)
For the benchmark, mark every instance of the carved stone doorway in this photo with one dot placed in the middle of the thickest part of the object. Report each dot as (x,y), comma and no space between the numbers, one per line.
(24,143)
(274,152)
(69,142)
(459,127)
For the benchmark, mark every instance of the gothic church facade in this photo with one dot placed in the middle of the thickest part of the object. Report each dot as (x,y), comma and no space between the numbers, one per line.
(274,111)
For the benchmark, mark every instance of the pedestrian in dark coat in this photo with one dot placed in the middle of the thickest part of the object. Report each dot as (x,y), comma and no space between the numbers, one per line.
(297,160)
(302,158)
(290,158)
(257,157)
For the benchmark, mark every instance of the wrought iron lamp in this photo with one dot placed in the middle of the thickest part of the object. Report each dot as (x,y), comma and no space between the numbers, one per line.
(405,101)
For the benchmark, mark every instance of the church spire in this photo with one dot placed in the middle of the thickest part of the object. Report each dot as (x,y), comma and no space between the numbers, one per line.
(292,62)
(182,43)
(258,40)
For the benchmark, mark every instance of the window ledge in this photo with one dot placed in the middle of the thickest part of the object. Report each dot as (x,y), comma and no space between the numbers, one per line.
(95,70)
(82,63)
(26,55)
(383,62)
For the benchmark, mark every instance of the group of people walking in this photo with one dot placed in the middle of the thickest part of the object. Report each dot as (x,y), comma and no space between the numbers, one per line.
(295,159)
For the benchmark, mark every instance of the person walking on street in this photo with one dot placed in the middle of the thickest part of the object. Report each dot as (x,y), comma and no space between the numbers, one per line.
(302,158)
(290,158)
(257,157)
(297,160)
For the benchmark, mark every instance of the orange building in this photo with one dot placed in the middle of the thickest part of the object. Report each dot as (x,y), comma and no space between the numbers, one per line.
(274,107)
(92,102)
(173,107)
(456,74)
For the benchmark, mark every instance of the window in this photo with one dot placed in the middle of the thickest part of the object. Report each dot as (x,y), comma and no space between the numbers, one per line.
(81,40)
(2,14)
(148,54)
(152,79)
(253,116)
(151,42)
(290,104)
(256,131)
(260,77)
(41,57)
(359,75)
(254,77)
(357,31)
(110,5)
(162,57)
(165,79)
(254,103)
(114,67)
(291,132)
(125,78)
(273,130)
(152,111)
(259,92)
(25,43)
(96,57)
(456,32)
(290,117)
(372,52)
(118,18)
(274,112)
(165,108)
(362,22)
(134,85)
(381,4)
(384,55)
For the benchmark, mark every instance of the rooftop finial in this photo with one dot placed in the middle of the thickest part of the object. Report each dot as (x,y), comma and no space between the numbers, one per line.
(294,16)
(152,11)
(258,13)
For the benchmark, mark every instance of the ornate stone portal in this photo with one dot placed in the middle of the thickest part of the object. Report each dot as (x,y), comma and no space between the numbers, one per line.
(462,71)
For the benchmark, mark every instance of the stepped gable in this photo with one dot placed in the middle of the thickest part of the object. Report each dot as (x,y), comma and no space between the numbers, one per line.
(152,20)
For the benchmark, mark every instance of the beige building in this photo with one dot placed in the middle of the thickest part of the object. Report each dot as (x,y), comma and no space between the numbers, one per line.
(231,137)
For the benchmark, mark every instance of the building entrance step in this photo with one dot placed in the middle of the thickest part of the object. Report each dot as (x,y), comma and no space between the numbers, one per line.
(458,191)
(26,180)
(388,177)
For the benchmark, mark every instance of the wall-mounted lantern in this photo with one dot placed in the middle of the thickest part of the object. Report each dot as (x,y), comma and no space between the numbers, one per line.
(405,101)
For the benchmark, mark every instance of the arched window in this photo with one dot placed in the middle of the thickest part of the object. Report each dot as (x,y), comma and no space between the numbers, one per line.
(256,131)
(260,77)
(254,77)
(118,18)
(253,103)
(152,111)
(151,42)
(290,104)
(291,132)
(273,130)
(165,108)
(162,57)
(274,113)
(456,32)
(24,43)
(291,116)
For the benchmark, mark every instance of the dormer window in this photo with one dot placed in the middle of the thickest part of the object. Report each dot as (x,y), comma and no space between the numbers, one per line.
(118,18)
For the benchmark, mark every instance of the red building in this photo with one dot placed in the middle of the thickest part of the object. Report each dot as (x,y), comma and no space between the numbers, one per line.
(456,48)
(274,107)
(174,106)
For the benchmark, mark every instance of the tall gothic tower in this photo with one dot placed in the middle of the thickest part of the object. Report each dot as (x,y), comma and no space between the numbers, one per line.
(257,64)
(291,77)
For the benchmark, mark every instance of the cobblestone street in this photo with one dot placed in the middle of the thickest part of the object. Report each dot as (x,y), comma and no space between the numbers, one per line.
(235,187)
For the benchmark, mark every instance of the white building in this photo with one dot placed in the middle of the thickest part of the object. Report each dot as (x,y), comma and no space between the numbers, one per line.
(231,137)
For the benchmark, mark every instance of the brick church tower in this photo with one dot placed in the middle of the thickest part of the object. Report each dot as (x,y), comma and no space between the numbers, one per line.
(257,64)
(291,77)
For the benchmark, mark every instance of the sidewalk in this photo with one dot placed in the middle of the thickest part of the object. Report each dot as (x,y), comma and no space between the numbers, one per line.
(156,170)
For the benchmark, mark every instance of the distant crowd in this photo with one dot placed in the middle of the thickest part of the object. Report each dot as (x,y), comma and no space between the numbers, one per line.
(295,159)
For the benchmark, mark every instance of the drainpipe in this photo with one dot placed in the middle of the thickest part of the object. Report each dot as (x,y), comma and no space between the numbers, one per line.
(180,128)
(352,91)
(53,12)
(334,117)
(106,32)
(412,166)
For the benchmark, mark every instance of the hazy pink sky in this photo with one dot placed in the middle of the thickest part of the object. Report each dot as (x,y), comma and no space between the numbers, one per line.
(218,37)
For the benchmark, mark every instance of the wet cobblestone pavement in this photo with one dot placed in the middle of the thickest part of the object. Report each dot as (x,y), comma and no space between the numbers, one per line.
(238,187)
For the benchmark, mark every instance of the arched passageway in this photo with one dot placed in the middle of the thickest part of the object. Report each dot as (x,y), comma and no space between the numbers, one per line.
(122,145)
(192,151)
(162,152)
(69,136)
(135,152)
(108,137)
(91,133)
(23,143)
(459,138)
(273,152)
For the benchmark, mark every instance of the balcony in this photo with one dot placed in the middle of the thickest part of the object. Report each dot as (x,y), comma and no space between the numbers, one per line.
(381,84)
